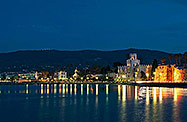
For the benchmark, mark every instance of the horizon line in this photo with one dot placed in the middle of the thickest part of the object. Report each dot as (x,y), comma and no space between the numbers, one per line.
(77,50)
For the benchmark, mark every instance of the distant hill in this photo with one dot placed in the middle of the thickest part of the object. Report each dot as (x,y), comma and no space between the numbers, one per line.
(53,59)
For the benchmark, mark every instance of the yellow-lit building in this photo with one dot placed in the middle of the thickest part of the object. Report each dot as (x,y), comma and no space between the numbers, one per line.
(168,73)
(76,75)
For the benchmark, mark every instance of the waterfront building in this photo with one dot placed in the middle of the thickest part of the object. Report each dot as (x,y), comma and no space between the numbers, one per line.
(185,74)
(172,73)
(76,74)
(133,70)
(38,75)
(27,76)
(60,75)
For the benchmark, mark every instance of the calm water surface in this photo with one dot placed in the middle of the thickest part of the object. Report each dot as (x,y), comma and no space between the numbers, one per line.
(101,103)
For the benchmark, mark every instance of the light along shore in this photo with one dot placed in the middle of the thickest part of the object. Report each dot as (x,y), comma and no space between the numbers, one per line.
(141,84)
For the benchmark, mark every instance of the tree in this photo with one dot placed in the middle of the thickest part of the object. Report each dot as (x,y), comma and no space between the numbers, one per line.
(185,59)
(143,75)
(71,65)
(87,64)
(45,74)
(59,67)
(163,60)
(154,66)
(13,78)
(67,66)
(3,77)
(170,58)
(103,70)
(176,58)
(108,68)
(185,75)
(180,56)
(115,66)
(97,69)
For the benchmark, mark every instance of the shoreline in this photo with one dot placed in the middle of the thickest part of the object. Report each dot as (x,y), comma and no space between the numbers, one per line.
(170,85)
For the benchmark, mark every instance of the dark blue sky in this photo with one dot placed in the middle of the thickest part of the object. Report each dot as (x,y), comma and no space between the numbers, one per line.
(93,24)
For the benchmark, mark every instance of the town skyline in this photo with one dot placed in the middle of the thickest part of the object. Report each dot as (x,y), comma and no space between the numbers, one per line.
(93,60)
(131,71)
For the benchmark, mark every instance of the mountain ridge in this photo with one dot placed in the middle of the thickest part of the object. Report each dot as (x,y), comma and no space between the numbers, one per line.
(84,50)
(51,59)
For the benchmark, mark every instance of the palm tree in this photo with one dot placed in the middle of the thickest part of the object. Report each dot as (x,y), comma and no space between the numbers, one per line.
(170,58)
(185,59)
(180,56)
(87,64)
(163,60)
(67,66)
(176,58)
(71,65)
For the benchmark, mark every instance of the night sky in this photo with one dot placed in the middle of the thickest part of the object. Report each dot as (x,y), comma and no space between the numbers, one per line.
(93,24)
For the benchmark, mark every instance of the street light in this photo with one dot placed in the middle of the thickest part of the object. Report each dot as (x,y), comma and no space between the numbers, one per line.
(107,78)
(147,74)
(81,78)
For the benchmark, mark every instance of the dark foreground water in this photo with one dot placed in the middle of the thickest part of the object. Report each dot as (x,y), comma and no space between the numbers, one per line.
(87,103)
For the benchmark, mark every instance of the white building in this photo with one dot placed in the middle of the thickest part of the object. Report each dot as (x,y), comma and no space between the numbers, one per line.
(61,75)
(133,61)
(132,71)
(27,76)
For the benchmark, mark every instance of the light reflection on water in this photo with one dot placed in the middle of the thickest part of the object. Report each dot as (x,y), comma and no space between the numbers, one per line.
(93,102)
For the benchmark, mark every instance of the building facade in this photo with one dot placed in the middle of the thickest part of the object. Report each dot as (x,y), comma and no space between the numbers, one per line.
(133,70)
(27,77)
(166,73)
(76,74)
(60,75)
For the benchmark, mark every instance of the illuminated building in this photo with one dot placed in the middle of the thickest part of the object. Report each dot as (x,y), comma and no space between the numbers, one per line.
(169,73)
(132,71)
(27,76)
(185,75)
(60,75)
(76,75)
(37,75)
(133,61)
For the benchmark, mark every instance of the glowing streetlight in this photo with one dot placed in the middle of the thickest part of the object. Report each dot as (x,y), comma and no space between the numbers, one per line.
(147,75)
